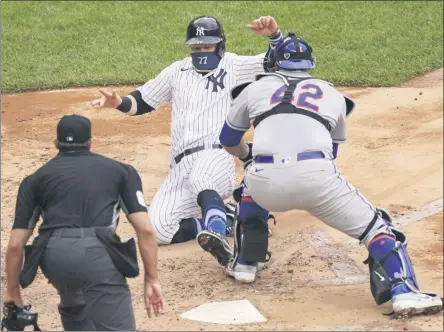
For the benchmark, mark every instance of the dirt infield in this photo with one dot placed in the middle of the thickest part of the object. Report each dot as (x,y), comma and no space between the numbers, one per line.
(317,281)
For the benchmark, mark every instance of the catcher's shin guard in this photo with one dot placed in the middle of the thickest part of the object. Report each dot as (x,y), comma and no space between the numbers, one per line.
(390,267)
(253,241)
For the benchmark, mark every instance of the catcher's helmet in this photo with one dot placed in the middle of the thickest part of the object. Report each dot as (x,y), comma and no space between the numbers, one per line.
(293,53)
(206,30)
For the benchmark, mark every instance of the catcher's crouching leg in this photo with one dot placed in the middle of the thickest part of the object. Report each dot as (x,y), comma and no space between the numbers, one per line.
(250,239)
(392,276)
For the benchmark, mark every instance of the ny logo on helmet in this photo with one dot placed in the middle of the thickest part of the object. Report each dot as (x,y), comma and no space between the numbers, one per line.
(286,55)
(200,31)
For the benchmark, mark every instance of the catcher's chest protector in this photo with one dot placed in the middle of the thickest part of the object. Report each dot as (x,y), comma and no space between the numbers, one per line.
(286,107)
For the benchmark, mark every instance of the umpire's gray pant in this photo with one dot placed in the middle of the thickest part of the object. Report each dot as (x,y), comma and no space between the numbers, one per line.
(94,295)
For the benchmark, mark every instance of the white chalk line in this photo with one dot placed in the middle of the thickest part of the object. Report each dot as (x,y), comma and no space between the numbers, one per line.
(418,214)
(353,328)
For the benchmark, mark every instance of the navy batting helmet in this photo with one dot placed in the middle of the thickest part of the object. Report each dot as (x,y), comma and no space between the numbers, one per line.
(293,53)
(206,30)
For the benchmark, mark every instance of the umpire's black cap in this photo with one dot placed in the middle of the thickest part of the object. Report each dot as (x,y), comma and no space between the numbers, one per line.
(73,129)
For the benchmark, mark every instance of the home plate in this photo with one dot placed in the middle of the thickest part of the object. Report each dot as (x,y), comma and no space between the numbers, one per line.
(228,312)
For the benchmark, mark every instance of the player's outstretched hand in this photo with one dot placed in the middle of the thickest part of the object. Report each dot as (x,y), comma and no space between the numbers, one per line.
(264,26)
(110,99)
(153,298)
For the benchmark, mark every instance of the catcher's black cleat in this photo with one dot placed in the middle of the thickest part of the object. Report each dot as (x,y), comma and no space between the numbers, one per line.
(217,245)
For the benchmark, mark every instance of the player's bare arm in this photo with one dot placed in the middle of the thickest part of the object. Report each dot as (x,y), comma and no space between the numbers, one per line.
(136,104)
(109,99)
(14,260)
(24,223)
(241,150)
(132,104)
(147,242)
(264,26)
(268,27)
(143,99)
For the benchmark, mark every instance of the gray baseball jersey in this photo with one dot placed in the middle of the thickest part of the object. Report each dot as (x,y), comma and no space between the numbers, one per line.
(287,183)
(290,133)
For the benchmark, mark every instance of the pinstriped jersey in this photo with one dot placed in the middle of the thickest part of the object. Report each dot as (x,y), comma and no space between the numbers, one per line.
(200,103)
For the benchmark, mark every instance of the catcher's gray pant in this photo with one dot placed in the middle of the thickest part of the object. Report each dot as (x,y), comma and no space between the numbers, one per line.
(94,295)
(313,185)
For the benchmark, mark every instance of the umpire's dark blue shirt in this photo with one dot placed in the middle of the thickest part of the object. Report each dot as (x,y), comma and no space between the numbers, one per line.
(78,189)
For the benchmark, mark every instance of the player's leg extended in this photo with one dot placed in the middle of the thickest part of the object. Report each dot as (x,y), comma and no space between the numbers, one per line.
(173,210)
(212,180)
(392,276)
(251,238)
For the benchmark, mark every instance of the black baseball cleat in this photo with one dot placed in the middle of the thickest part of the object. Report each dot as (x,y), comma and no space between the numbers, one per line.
(217,245)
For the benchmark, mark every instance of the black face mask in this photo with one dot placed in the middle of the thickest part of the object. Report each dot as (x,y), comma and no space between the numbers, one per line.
(205,61)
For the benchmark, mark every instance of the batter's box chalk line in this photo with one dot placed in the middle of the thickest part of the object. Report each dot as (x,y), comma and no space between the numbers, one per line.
(420,213)
(227,312)
(355,328)
(414,216)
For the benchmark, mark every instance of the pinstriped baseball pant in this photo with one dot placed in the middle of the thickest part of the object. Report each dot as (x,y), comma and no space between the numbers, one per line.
(176,198)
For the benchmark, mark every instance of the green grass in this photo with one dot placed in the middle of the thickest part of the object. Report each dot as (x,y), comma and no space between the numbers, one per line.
(73,43)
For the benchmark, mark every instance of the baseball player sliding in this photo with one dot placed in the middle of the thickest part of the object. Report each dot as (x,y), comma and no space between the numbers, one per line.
(202,172)
(298,123)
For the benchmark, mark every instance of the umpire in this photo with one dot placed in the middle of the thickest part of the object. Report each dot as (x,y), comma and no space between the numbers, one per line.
(79,195)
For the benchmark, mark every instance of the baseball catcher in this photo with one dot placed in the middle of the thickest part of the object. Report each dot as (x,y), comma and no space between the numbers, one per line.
(298,123)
